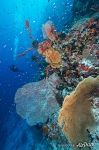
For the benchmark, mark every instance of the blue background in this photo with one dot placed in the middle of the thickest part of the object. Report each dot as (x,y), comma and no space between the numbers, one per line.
(14,38)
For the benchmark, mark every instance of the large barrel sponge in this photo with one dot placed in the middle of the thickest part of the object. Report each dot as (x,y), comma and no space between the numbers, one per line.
(76,115)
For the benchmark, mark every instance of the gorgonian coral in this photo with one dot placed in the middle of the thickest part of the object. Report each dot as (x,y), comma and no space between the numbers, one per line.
(49,31)
(76,115)
(36,101)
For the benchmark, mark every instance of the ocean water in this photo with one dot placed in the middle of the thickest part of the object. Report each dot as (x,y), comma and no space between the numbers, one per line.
(20,24)
(14,38)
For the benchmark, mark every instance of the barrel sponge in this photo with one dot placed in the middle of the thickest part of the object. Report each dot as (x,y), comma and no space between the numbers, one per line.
(76,115)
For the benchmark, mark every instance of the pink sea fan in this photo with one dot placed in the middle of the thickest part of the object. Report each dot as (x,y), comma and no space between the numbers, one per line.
(49,31)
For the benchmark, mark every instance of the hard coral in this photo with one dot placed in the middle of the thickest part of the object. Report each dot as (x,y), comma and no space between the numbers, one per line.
(76,114)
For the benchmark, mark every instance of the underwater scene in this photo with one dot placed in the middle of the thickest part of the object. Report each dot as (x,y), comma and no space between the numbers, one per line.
(49,75)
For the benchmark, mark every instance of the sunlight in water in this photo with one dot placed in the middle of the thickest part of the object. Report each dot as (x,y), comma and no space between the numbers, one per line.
(19,16)
(31,12)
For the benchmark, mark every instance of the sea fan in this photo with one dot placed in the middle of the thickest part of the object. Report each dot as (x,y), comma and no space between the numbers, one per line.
(49,31)
(36,101)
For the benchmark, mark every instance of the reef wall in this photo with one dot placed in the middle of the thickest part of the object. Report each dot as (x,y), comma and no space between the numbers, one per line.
(84,7)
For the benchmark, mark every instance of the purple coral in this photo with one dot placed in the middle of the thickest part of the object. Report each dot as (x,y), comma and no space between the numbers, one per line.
(36,101)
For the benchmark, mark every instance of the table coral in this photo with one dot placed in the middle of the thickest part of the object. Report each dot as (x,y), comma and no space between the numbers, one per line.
(76,115)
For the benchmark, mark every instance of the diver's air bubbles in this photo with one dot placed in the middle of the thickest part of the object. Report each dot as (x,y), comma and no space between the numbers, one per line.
(16,43)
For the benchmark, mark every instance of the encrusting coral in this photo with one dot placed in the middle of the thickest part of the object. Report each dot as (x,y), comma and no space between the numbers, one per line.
(76,116)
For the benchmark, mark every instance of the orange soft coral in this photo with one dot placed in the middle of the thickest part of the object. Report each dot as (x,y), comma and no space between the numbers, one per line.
(76,114)
(53,57)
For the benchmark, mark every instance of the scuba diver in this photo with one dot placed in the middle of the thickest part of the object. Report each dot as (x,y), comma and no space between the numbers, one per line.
(14,68)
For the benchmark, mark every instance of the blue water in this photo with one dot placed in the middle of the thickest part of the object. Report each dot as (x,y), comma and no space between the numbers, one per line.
(14,38)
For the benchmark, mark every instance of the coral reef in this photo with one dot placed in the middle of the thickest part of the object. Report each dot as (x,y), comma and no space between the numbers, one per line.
(83,7)
(75,52)
(70,57)
(76,115)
